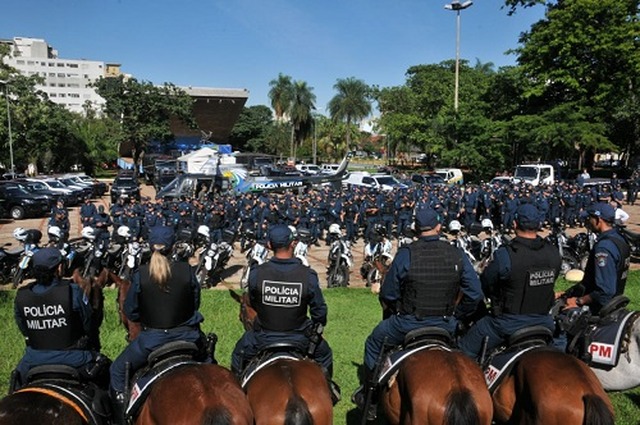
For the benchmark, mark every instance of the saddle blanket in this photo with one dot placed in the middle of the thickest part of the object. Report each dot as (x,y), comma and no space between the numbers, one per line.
(393,360)
(501,364)
(252,369)
(607,337)
(143,384)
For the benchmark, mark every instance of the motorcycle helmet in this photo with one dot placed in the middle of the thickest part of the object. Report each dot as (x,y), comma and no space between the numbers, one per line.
(454,226)
(88,233)
(487,224)
(294,232)
(20,234)
(203,231)
(334,229)
(124,231)
(54,232)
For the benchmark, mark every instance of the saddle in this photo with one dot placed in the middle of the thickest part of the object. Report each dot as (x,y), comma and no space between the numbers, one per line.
(504,357)
(426,338)
(268,355)
(68,385)
(161,361)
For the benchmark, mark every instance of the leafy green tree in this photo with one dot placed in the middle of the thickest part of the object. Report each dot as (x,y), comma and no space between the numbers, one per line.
(281,94)
(351,104)
(302,104)
(252,128)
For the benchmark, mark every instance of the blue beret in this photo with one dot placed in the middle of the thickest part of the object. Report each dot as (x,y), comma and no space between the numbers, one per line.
(528,217)
(280,236)
(161,235)
(427,218)
(47,258)
(602,210)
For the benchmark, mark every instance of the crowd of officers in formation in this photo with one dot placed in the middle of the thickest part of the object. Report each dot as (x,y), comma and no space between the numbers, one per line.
(419,290)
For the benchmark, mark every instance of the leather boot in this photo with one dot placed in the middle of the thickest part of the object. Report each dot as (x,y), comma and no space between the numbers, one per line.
(359,397)
(118,407)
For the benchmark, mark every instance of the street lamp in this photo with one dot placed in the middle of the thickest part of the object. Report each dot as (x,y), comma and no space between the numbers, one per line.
(456,6)
(6,95)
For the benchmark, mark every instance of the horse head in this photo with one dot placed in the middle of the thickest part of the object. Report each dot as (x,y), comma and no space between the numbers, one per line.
(133,328)
(247,313)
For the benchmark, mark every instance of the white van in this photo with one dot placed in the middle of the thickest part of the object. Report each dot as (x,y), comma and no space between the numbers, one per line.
(534,174)
(329,168)
(451,175)
(384,182)
(311,169)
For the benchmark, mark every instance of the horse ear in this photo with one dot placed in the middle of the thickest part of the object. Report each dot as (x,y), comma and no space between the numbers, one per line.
(235,296)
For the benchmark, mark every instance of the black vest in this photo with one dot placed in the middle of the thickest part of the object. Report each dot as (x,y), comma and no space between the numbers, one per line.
(535,265)
(170,308)
(50,320)
(432,284)
(622,267)
(281,298)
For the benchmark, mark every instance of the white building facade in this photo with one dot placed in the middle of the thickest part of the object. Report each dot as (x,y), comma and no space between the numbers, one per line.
(66,81)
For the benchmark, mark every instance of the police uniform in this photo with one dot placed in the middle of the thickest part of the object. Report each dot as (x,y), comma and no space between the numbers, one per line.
(282,291)
(166,315)
(55,319)
(520,282)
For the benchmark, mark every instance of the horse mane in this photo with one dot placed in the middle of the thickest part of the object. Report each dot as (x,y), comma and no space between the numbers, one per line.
(596,411)
(461,409)
(297,411)
(218,415)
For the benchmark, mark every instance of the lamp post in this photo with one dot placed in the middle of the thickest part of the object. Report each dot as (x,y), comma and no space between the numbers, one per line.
(456,6)
(6,95)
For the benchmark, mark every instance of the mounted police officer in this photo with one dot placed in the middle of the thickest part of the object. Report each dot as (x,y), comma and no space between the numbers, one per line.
(520,282)
(605,275)
(164,297)
(420,290)
(284,318)
(54,315)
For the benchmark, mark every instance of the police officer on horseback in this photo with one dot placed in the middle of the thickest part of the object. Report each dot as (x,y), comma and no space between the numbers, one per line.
(420,289)
(164,297)
(282,291)
(54,315)
(519,281)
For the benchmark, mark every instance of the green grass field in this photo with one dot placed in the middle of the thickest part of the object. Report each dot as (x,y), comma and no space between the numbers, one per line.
(352,315)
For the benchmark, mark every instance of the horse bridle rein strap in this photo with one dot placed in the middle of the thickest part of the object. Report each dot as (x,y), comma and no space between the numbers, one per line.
(58,396)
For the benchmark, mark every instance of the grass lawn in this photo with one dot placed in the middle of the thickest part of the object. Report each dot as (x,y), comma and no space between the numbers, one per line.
(352,315)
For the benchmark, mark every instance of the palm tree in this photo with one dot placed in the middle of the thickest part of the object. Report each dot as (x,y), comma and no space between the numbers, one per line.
(302,103)
(280,95)
(351,104)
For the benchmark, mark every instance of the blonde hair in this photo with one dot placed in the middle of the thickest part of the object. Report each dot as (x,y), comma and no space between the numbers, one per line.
(159,267)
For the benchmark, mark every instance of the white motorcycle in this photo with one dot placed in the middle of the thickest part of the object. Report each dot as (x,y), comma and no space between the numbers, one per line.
(256,255)
(340,259)
(301,250)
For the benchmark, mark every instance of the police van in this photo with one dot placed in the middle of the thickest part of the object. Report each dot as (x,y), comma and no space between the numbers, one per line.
(534,174)
(451,175)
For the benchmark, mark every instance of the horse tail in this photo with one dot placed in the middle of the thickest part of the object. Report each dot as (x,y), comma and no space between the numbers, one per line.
(596,411)
(461,409)
(297,412)
(217,416)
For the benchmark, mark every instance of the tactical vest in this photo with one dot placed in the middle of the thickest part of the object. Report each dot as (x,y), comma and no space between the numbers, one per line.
(169,308)
(433,281)
(281,298)
(49,317)
(622,266)
(529,289)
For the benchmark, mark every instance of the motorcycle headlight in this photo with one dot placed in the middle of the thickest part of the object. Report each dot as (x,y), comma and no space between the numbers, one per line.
(210,253)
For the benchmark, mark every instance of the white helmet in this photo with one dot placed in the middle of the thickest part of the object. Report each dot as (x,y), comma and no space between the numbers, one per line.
(20,234)
(54,231)
(204,231)
(124,231)
(454,226)
(486,223)
(88,233)
(294,232)
(335,229)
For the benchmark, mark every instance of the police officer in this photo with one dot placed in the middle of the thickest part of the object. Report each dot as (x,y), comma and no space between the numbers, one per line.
(164,297)
(419,290)
(87,211)
(284,319)
(54,315)
(520,282)
(605,275)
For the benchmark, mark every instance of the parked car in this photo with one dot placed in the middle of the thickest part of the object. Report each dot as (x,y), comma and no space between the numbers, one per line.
(428,180)
(87,190)
(19,203)
(99,188)
(73,196)
(125,187)
(40,189)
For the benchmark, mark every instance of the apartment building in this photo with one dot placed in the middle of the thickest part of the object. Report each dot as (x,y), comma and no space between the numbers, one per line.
(66,81)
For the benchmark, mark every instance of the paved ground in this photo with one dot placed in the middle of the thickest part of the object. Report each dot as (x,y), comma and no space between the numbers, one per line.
(317,255)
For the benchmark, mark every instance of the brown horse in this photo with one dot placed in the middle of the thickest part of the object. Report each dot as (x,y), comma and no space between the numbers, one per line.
(551,388)
(287,390)
(438,386)
(30,407)
(190,394)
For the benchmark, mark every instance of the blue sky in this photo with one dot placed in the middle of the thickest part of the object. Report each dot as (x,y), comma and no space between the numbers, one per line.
(246,43)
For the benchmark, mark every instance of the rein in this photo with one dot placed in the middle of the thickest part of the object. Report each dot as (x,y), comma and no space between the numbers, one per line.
(57,396)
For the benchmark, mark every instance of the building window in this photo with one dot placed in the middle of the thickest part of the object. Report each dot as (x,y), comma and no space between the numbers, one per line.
(60,65)
(20,62)
(86,76)
(73,65)
(61,85)
(29,62)
(52,74)
(53,95)
(62,95)
(74,85)
(61,75)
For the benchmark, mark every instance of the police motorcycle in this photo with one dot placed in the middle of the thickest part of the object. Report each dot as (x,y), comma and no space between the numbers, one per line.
(183,247)
(92,253)
(9,260)
(633,239)
(56,240)
(493,240)
(30,240)
(340,259)
(303,239)
(212,257)
(256,255)
(126,254)
(571,259)
(461,240)
(377,257)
